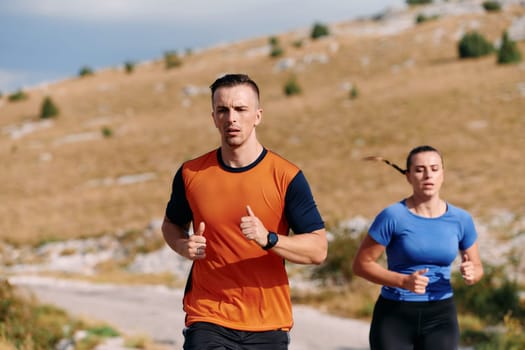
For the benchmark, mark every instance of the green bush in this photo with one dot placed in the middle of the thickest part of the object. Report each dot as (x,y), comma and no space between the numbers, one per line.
(129,67)
(512,338)
(420,18)
(509,51)
(103,331)
(85,71)
(298,43)
(337,269)
(273,41)
(95,336)
(319,30)
(491,6)
(107,132)
(418,2)
(276,48)
(473,45)
(354,92)
(26,325)
(19,95)
(491,298)
(291,87)
(172,60)
(276,51)
(48,109)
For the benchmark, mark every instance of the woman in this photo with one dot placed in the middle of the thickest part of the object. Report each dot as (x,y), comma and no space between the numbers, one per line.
(421,235)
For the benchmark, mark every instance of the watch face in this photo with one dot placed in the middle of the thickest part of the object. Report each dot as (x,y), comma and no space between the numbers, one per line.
(272,240)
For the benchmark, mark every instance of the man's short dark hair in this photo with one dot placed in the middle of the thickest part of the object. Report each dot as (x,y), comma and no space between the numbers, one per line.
(230,80)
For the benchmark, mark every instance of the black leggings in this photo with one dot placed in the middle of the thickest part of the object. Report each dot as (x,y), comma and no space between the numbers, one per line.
(208,336)
(404,325)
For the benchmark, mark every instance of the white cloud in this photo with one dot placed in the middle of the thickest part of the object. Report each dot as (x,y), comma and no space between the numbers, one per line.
(123,9)
(115,10)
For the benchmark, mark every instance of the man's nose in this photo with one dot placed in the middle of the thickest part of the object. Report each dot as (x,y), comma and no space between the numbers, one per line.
(231,116)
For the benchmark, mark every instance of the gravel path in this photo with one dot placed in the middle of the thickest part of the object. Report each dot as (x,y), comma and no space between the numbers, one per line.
(156,311)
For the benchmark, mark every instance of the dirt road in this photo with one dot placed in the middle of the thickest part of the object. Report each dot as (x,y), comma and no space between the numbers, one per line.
(156,312)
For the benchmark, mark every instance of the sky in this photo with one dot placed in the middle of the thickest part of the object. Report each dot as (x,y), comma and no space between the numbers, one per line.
(47,40)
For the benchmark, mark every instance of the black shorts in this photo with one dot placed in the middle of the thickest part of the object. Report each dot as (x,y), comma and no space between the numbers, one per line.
(207,336)
(405,325)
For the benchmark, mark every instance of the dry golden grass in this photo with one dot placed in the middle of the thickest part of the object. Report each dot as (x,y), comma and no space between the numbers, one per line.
(120,276)
(412,90)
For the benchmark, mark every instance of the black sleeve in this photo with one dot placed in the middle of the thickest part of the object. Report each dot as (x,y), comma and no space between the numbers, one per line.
(300,208)
(178,210)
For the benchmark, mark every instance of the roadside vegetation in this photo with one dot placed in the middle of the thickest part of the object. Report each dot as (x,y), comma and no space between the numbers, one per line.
(26,324)
(491,313)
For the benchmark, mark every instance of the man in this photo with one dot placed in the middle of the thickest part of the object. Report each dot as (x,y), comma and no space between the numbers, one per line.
(242,200)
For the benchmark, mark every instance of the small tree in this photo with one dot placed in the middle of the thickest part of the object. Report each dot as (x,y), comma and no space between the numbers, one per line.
(85,71)
(354,92)
(418,2)
(172,59)
(292,87)
(107,132)
(492,6)
(129,67)
(420,18)
(319,30)
(19,95)
(49,109)
(276,49)
(509,51)
(474,45)
(273,41)
(298,43)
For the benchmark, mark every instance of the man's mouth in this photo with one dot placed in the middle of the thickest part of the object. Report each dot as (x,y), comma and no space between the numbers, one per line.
(232,131)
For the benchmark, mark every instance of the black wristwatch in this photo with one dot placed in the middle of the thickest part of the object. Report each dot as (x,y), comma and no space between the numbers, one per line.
(273,238)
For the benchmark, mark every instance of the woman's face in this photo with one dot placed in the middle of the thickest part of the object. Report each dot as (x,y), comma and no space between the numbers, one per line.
(426,174)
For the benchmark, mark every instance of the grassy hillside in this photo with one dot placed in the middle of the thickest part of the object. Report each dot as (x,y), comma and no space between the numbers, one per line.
(65,179)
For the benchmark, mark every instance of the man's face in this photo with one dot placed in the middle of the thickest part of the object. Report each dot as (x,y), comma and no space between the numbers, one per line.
(236,113)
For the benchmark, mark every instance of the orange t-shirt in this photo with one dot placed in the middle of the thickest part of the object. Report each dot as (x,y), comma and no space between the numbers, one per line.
(238,285)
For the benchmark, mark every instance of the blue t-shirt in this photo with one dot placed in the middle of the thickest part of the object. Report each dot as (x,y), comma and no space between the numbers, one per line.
(414,242)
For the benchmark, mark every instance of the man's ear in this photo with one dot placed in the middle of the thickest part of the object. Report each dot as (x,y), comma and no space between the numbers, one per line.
(258,117)
(213,118)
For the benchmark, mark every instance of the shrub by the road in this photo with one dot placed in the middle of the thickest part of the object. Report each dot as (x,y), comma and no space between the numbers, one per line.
(49,109)
(319,30)
(509,51)
(26,325)
(473,45)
